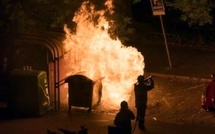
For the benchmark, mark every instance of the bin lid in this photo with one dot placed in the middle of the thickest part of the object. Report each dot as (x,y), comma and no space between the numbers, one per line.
(78,79)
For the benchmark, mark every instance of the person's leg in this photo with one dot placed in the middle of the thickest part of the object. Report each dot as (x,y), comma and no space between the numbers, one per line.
(141,117)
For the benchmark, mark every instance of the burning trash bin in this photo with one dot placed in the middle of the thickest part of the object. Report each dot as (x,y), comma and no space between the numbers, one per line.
(29,93)
(83,92)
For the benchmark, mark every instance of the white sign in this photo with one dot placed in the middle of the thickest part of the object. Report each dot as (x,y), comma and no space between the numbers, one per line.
(157,7)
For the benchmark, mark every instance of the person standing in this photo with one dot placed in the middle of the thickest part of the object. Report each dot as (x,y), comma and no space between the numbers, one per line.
(208,96)
(123,119)
(141,87)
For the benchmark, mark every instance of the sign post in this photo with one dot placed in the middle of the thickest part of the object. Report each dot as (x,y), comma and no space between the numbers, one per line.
(159,10)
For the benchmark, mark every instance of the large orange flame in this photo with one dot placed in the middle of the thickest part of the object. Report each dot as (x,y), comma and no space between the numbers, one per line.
(91,52)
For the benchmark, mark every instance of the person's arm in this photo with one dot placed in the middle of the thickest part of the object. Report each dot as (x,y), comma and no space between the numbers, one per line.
(132,116)
(152,83)
(151,86)
(116,120)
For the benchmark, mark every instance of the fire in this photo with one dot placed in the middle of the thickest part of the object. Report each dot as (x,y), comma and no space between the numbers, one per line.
(91,52)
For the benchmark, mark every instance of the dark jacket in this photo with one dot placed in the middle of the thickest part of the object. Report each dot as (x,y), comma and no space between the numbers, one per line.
(123,119)
(140,90)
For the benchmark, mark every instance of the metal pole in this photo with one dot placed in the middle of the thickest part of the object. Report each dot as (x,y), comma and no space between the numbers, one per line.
(164,35)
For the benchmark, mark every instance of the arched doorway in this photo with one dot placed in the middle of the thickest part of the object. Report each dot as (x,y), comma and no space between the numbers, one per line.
(36,50)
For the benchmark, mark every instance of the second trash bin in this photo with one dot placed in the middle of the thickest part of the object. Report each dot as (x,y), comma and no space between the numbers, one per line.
(83,92)
(29,95)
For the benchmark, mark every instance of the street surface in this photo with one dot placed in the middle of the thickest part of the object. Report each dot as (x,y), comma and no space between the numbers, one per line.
(162,117)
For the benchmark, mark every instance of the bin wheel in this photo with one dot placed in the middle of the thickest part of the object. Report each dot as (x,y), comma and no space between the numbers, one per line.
(89,110)
(69,109)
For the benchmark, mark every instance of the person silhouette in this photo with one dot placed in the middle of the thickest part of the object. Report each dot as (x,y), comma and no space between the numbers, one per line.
(123,118)
(141,87)
(208,96)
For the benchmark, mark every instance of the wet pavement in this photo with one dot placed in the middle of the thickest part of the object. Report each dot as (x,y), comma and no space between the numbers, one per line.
(184,63)
(96,123)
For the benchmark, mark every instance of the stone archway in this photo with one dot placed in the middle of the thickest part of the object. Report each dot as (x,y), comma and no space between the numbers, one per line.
(38,50)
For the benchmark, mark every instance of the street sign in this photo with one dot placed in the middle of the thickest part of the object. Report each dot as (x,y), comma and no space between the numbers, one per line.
(159,10)
(157,7)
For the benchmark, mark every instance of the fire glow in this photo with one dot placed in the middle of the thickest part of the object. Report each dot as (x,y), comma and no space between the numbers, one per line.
(91,52)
